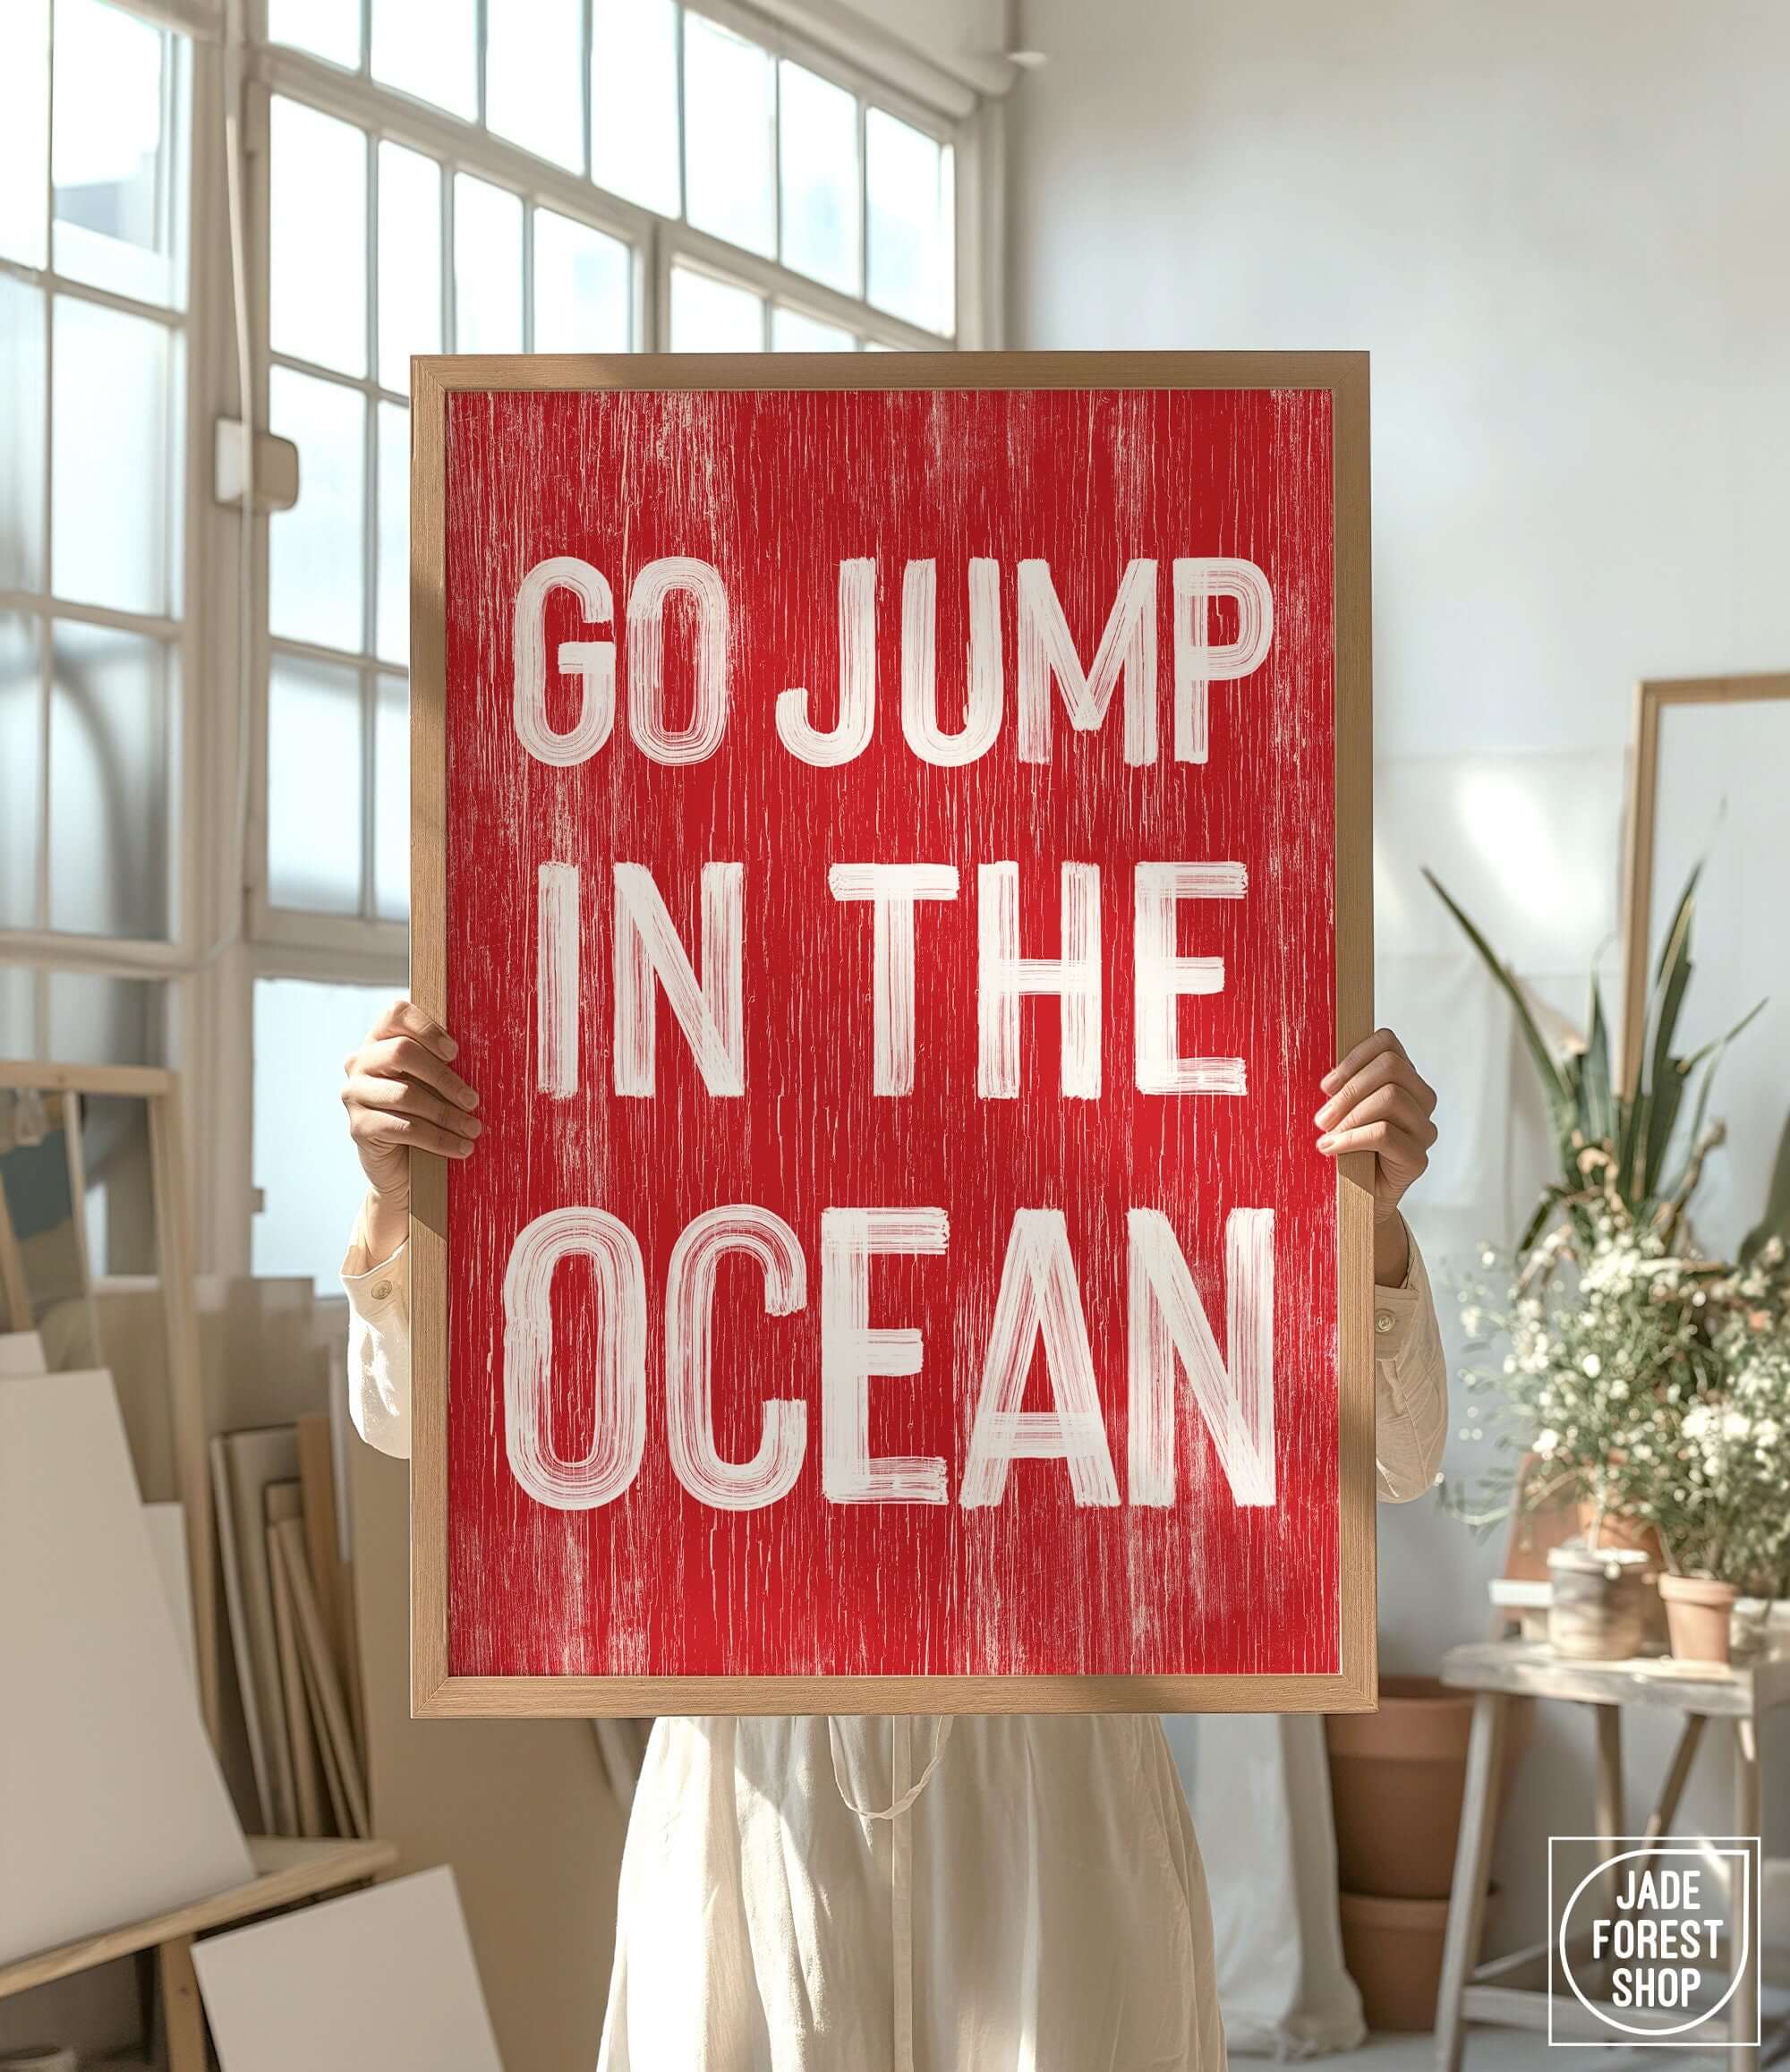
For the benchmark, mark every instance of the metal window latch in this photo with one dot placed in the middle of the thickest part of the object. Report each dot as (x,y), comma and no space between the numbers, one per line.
(275,466)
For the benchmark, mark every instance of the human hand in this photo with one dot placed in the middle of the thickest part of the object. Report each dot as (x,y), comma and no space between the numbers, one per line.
(402,1094)
(1377,1100)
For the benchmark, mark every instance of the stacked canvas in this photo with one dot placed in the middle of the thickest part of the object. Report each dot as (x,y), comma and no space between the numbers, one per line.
(112,1805)
(285,1590)
(381,1982)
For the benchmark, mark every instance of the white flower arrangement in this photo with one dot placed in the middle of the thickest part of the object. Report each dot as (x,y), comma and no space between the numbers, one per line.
(1652,1384)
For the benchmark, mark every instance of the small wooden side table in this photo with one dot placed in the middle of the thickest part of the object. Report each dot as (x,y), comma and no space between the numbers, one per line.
(1512,1992)
(286,1873)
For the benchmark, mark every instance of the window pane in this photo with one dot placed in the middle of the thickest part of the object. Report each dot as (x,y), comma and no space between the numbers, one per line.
(912,241)
(410,261)
(119,223)
(392,596)
(487,267)
(583,287)
(391,799)
(314,559)
(111,737)
(328,28)
(20,741)
(817,129)
(25,132)
(730,121)
(792,332)
(304,1163)
(428,49)
(112,486)
(18,1011)
(315,786)
(713,316)
(100,1020)
(317,289)
(534,91)
(634,101)
(117,1166)
(96,1020)
(21,435)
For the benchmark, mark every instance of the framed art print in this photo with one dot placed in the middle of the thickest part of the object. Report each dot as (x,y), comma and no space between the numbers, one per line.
(890,840)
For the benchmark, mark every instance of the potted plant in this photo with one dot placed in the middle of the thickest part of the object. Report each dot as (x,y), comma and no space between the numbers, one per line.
(1724,1512)
(1617,1331)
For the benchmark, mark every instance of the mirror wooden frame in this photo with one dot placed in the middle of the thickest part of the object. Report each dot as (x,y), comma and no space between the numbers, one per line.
(1651,700)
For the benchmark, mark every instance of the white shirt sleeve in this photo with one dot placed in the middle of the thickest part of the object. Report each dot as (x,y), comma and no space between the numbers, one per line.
(1410,1386)
(378,1346)
(1410,1375)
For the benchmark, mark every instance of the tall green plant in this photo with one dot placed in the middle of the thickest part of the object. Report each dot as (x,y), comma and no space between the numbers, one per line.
(1592,1120)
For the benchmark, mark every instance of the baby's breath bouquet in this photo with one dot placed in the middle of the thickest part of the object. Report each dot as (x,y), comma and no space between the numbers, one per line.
(1607,1343)
(1723,1507)
(1613,1362)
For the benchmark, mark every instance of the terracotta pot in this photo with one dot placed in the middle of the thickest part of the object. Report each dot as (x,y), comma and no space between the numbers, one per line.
(1397,1777)
(1393,1948)
(1699,1612)
(1621,1534)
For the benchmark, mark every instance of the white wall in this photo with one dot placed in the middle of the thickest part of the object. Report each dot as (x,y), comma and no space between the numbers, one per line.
(1559,230)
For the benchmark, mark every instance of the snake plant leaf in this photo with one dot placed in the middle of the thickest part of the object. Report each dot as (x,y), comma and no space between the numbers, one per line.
(1533,1228)
(1664,1082)
(1667,1096)
(1595,1108)
(1668,1099)
(1776,1221)
(1555,1085)
(1717,1044)
(1677,936)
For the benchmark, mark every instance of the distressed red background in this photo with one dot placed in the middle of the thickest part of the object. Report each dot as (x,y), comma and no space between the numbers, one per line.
(774,488)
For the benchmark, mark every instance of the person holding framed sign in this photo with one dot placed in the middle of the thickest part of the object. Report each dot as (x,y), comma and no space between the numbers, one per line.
(892,839)
(1034,1896)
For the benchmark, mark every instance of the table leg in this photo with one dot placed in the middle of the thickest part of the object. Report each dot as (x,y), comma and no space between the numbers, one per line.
(1690,1739)
(1610,1813)
(183,2016)
(1743,2009)
(1473,1873)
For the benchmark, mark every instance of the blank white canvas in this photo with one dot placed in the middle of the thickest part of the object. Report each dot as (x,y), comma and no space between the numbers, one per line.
(167,1536)
(383,1981)
(111,1807)
(21,1352)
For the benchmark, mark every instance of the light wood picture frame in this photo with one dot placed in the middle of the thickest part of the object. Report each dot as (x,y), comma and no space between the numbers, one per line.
(1653,699)
(159,1091)
(436,1692)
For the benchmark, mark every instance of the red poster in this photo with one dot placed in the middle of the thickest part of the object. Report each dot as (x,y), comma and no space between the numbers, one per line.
(890,914)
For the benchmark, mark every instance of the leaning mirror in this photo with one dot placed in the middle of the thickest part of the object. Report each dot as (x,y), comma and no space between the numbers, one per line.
(1707,788)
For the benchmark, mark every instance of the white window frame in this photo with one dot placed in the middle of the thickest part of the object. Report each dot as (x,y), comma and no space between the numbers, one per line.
(224,933)
(659,242)
(45,949)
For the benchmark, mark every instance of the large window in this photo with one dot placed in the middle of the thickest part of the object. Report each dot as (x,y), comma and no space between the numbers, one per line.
(552,175)
(204,816)
(93,606)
